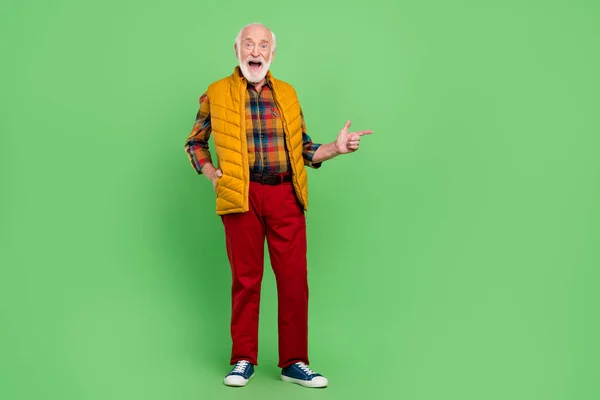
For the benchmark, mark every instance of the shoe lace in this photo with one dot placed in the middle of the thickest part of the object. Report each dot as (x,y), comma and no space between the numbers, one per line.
(240,366)
(305,368)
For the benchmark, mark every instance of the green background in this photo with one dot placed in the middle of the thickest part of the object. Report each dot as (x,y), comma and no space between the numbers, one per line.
(454,256)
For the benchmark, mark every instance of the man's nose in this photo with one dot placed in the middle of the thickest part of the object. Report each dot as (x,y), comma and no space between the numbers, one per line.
(255,52)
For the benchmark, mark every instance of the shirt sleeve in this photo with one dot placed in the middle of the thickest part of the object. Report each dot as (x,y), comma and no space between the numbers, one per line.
(308,147)
(196,144)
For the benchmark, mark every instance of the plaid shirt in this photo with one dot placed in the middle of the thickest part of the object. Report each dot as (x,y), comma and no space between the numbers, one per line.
(267,150)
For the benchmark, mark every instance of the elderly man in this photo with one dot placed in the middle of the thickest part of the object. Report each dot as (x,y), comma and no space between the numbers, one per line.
(261,189)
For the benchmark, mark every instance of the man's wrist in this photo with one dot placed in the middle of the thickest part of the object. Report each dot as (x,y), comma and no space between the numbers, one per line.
(209,170)
(336,150)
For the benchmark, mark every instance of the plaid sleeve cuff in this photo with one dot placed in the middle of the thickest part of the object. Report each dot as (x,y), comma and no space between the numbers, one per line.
(198,157)
(309,151)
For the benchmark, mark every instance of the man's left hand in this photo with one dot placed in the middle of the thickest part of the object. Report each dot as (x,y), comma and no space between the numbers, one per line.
(348,142)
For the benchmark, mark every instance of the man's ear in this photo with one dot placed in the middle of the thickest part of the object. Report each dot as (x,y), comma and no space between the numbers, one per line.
(235,49)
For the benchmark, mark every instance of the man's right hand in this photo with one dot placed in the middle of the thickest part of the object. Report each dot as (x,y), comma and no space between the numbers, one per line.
(212,173)
(217,175)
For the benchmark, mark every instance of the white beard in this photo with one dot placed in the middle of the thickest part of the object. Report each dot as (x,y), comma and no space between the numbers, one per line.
(254,77)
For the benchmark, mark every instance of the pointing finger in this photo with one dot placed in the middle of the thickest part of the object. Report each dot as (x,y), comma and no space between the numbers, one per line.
(367,132)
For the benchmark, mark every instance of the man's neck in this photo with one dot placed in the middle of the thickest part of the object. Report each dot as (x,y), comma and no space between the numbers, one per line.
(259,85)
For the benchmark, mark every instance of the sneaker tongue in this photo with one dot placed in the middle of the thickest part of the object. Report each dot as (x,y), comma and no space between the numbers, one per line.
(240,366)
(305,368)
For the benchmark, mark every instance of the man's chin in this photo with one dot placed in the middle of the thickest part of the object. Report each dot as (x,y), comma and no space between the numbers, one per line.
(253,77)
(256,79)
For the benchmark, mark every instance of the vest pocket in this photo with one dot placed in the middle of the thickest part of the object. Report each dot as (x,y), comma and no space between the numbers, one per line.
(228,189)
(218,185)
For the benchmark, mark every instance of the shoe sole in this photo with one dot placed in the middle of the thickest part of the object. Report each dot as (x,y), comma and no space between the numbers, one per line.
(241,384)
(309,384)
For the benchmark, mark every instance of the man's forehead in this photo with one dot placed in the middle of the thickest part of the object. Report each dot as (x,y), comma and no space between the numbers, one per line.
(256,32)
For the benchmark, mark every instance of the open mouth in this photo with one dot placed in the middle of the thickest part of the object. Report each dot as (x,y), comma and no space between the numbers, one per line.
(255,64)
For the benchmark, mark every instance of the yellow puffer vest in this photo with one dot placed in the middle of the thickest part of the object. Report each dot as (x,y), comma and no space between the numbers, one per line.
(228,122)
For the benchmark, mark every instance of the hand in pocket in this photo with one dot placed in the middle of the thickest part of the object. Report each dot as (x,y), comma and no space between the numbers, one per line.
(216,176)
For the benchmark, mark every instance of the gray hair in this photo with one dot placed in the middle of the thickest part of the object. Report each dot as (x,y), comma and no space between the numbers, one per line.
(238,38)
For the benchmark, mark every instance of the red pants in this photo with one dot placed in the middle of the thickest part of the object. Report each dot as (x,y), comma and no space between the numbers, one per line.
(276,214)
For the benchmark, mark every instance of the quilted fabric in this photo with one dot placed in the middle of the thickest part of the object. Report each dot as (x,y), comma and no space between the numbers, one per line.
(227,109)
